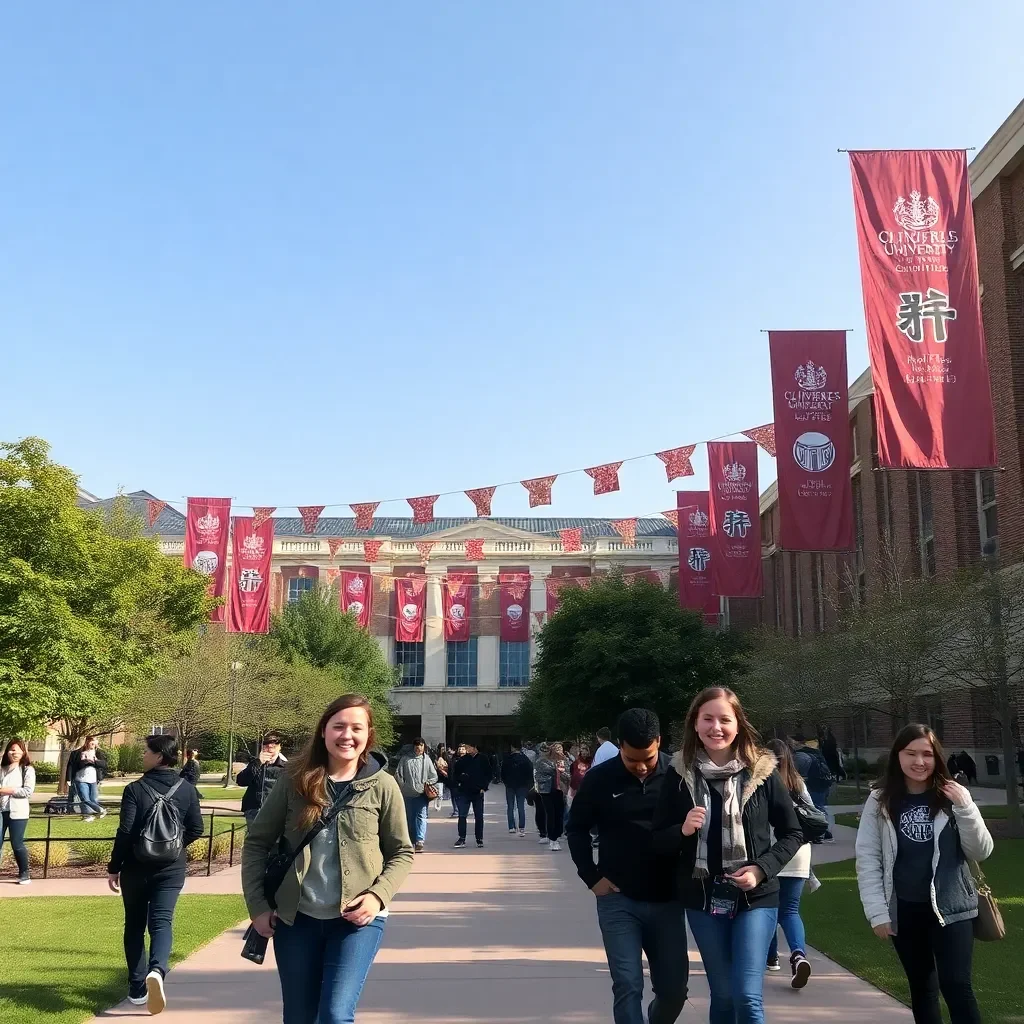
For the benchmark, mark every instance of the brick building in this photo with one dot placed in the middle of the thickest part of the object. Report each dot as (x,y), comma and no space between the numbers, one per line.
(938,522)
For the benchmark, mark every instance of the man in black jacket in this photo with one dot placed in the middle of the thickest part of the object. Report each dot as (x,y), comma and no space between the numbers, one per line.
(260,774)
(517,777)
(636,908)
(472,780)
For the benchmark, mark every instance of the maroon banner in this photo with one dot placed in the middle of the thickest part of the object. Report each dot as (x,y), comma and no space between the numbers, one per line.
(919,274)
(455,605)
(695,590)
(410,605)
(206,543)
(812,437)
(515,606)
(733,508)
(251,550)
(356,596)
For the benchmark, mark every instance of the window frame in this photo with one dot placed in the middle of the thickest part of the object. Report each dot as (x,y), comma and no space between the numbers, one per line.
(506,677)
(300,591)
(461,673)
(925,536)
(988,528)
(411,654)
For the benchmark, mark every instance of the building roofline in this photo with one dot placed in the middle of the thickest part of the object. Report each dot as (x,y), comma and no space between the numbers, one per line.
(1002,153)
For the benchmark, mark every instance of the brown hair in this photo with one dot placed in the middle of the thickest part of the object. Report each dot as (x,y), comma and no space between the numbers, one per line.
(748,743)
(787,766)
(16,742)
(892,786)
(309,769)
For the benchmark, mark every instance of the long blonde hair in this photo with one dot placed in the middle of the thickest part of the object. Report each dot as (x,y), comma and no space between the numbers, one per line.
(748,744)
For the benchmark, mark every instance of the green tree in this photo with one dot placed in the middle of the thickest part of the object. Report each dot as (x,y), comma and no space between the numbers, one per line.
(611,647)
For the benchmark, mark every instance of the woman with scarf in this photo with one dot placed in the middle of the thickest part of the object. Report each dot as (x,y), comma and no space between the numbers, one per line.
(721,801)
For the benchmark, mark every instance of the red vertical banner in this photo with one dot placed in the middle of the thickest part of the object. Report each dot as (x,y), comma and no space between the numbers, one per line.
(812,438)
(206,543)
(695,591)
(356,596)
(515,606)
(252,548)
(919,274)
(734,511)
(455,605)
(411,604)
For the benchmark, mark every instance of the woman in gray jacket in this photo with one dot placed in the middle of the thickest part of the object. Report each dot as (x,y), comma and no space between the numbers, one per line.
(917,832)
(551,780)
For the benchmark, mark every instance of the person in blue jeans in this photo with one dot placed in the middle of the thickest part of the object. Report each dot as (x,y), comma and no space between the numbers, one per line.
(725,814)
(814,769)
(517,778)
(414,774)
(86,768)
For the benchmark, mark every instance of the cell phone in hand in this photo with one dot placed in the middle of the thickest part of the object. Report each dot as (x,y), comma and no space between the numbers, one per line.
(255,946)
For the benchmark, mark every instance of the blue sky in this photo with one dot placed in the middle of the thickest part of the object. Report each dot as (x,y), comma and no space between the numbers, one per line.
(321,253)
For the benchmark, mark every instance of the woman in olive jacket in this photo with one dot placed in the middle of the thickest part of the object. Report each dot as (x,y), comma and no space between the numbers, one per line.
(332,905)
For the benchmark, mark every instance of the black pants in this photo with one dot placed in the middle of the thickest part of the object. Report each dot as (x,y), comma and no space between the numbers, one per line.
(539,817)
(554,813)
(936,959)
(15,827)
(149,899)
(476,801)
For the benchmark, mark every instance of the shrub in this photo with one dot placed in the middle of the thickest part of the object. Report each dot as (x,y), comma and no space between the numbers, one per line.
(851,765)
(60,854)
(46,771)
(94,853)
(128,758)
(199,849)
(213,767)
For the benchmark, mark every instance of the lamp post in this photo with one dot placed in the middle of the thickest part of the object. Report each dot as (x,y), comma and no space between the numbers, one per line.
(236,667)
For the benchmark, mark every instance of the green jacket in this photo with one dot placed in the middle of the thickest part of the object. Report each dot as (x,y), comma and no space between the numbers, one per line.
(373,842)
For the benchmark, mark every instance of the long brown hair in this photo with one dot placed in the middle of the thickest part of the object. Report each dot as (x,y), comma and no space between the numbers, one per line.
(892,786)
(309,769)
(748,742)
(16,742)
(787,766)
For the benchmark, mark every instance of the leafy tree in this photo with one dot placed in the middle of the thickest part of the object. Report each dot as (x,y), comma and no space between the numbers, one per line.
(611,647)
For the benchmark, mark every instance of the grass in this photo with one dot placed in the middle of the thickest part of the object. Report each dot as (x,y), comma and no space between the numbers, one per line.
(73,827)
(995,812)
(47,978)
(110,791)
(836,925)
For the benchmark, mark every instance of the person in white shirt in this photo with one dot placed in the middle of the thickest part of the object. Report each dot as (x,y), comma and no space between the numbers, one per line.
(17,781)
(606,749)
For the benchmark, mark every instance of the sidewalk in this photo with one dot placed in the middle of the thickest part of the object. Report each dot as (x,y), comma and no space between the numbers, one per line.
(507,935)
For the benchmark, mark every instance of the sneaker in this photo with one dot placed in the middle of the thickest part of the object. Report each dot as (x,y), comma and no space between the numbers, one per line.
(773,964)
(104,812)
(542,840)
(25,879)
(139,996)
(512,831)
(418,847)
(89,817)
(828,838)
(479,844)
(156,1000)
(801,970)
(454,814)
(554,846)
(460,843)
(522,833)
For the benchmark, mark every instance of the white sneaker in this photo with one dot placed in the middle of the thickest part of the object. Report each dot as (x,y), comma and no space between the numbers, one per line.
(554,846)
(138,1000)
(89,817)
(542,840)
(511,831)
(156,1000)
(104,812)
(522,833)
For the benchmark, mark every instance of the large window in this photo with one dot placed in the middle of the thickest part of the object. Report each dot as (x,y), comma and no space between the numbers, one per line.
(860,567)
(818,590)
(925,524)
(988,515)
(514,663)
(299,585)
(409,658)
(462,662)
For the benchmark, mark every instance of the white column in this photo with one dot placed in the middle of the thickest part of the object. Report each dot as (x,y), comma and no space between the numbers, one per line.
(538,602)
(435,666)
(487,662)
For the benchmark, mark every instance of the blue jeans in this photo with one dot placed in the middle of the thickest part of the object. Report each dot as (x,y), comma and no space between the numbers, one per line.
(631,928)
(89,797)
(323,966)
(15,828)
(416,815)
(149,899)
(515,800)
(790,891)
(819,797)
(734,954)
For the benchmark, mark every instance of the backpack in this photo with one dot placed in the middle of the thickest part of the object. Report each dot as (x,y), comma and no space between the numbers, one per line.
(161,840)
(820,773)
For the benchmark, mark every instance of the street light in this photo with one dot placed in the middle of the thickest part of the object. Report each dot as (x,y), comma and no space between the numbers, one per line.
(236,667)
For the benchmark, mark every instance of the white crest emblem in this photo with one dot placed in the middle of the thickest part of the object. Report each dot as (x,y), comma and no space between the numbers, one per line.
(699,519)
(916,214)
(698,559)
(355,585)
(208,523)
(356,608)
(814,452)
(514,612)
(810,377)
(206,562)
(458,612)
(410,612)
(253,545)
(734,472)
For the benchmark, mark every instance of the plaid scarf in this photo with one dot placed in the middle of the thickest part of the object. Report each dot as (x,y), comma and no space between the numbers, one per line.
(728,782)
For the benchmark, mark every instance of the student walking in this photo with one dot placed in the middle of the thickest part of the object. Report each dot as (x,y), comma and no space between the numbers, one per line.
(606,750)
(719,807)
(634,887)
(160,816)
(17,783)
(191,769)
(453,786)
(417,779)
(260,775)
(86,768)
(813,767)
(580,767)
(517,777)
(472,780)
(918,830)
(328,915)
(551,780)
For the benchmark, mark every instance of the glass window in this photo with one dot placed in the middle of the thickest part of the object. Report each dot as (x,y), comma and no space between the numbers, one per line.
(989,518)
(299,585)
(514,663)
(926,524)
(462,662)
(409,658)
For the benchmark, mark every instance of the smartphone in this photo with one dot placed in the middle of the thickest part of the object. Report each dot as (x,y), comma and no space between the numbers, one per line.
(255,946)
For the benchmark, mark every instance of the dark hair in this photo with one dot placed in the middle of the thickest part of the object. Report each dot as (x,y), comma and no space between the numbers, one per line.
(799,736)
(638,727)
(88,740)
(166,747)
(15,741)
(272,737)
(419,742)
(191,754)
(892,787)
(748,743)
(604,734)
(787,766)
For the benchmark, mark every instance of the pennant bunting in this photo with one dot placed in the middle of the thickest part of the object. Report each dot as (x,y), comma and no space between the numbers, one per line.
(331,575)
(481,498)
(475,549)
(677,461)
(333,544)
(606,477)
(418,584)
(423,508)
(424,547)
(310,514)
(764,436)
(664,575)
(538,620)
(454,585)
(554,585)
(153,509)
(364,514)
(672,515)
(572,540)
(356,595)
(387,584)
(371,550)
(626,529)
(517,584)
(540,489)
(487,588)
(261,514)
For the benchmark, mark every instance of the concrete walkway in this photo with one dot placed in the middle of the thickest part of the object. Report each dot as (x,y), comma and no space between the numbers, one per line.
(508,935)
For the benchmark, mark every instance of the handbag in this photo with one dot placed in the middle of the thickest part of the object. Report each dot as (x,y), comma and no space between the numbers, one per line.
(988,925)
(430,791)
(813,822)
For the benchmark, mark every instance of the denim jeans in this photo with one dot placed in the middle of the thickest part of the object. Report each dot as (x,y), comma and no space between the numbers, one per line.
(819,797)
(149,899)
(89,797)
(631,928)
(416,815)
(323,966)
(734,954)
(476,801)
(16,828)
(790,891)
(515,800)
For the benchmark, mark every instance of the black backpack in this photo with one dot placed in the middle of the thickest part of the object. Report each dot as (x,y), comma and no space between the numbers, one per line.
(163,834)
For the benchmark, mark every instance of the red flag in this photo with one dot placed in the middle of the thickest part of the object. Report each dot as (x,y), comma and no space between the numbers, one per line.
(626,529)
(540,489)
(371,550)
(356,595)
(310,514)
(261,513)
(572,539)
(677,461)
(153,509)
(333,544)
(455,606)
(919,274)
(764,436)
(424,547)
(481,497)
(475,549)
(672,515)
(554,585)
(251,552)
(735,519)
(411,604)
(515,611)
(206,543)
(364,514)
(606,478)
(695,590)
(332,576)
(812,423)
(423,508)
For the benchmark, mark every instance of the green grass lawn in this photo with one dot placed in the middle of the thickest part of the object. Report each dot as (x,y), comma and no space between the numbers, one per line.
(836,925)
(110,791)
(44,975)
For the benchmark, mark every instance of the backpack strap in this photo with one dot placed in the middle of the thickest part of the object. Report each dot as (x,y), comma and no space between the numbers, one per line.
(154,795)
(322,823)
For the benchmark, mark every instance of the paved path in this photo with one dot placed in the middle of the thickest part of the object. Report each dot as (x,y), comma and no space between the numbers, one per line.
(506,935)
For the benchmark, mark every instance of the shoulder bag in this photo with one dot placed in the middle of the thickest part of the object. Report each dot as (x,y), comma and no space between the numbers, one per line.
(813,822)
(988,925)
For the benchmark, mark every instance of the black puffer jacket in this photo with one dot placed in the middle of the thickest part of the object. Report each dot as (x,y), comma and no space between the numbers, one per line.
(259,779)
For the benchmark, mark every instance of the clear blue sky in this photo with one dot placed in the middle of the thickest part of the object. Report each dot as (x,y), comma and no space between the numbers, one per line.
(413,247)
